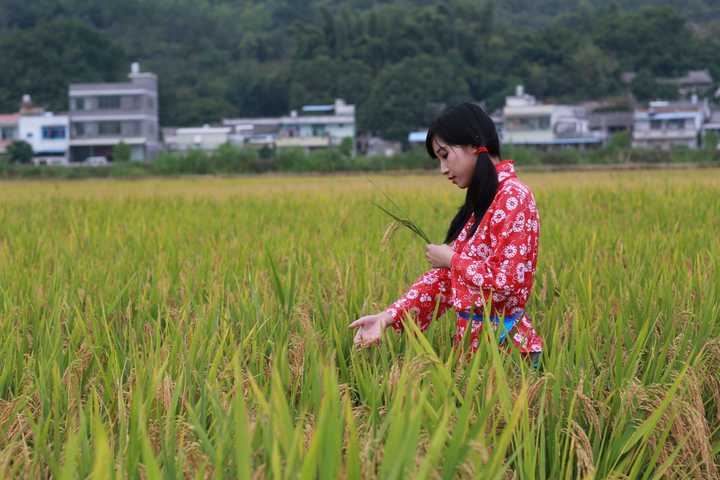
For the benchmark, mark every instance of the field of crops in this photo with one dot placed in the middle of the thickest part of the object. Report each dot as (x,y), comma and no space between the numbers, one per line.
(198,328)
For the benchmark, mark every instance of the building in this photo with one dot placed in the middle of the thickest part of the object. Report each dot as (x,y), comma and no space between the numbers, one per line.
(314,127)
(254,132)
(527,122)
(103,115)
(206,138)
(377,147)
(318,126)
(670,124)
(47,133)
(698,82)
(605,124)
(8,130)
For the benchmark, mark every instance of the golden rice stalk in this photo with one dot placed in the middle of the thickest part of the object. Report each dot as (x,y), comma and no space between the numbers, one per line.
(389,233)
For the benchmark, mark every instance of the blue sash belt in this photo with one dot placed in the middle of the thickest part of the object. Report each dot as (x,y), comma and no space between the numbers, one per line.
(508,321)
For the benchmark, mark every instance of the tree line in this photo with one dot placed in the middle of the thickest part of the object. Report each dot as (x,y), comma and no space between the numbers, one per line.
(398,61)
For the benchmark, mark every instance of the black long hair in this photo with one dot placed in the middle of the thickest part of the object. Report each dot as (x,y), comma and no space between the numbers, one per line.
(468,124)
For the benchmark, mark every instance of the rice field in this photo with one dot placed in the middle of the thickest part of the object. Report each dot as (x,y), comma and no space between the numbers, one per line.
(197,328)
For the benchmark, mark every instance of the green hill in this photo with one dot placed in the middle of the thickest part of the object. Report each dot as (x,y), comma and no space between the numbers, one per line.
(394,59)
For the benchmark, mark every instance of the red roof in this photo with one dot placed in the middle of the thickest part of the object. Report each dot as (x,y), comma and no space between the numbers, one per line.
(9,117)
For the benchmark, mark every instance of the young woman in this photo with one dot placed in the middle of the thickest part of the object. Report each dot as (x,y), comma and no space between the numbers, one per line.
(490,251)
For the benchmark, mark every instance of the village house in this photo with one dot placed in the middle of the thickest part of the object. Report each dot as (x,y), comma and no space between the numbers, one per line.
(46,132)
(314,127)
(606,124)
(666,124)
(254,132)
(371,146)
(694,82)
(529,123)
(205,138)
(103,115)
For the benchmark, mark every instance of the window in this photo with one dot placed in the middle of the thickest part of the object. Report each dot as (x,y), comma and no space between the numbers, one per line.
(8,133)
(109,102)
(566,129)
(135,102)
(150,103)
(528,123)
(53,132)
(656,124)
(676,124)
(109,128)
(78,129)
(78,104)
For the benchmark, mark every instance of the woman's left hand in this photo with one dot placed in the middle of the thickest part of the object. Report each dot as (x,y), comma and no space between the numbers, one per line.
(439,256)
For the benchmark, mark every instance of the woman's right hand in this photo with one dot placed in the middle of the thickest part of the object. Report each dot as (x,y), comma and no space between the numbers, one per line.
(370,328)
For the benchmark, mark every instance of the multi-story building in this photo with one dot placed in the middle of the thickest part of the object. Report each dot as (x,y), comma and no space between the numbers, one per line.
(667,124)
(527,122)
(103,115)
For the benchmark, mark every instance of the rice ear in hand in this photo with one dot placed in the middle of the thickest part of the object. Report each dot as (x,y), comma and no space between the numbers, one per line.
(409,224)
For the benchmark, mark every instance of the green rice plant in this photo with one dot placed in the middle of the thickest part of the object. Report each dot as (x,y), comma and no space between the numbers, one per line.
(197,328)
(409,224)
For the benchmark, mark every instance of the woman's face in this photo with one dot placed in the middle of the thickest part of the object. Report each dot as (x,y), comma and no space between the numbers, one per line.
(457,162)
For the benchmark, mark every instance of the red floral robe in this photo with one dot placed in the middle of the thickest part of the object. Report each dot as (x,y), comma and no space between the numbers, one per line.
(496,267)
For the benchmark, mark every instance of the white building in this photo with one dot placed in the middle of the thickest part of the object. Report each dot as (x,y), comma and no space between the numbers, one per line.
(668,124)
(318,126)
(527,122)
(254,132)
(205,138)
(315,126)
(47,133)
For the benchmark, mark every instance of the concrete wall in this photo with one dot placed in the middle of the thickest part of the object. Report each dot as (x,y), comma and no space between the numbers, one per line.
(30,129)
